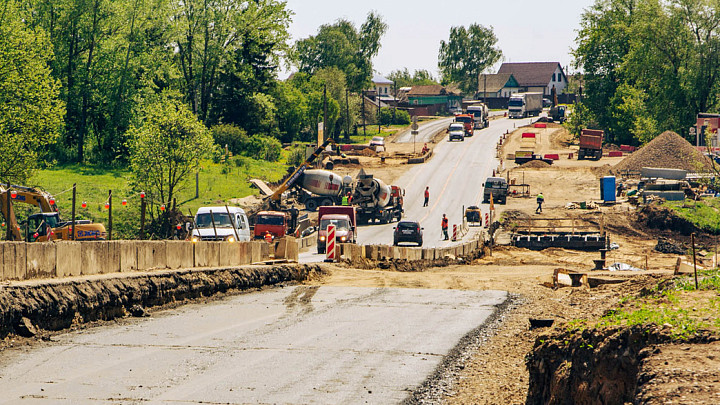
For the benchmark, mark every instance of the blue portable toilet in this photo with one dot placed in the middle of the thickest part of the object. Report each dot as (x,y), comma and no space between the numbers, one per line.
(607,188)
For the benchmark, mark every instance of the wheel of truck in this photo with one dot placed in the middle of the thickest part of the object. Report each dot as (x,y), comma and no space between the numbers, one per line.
(321,251)
(311,205)
(327,201)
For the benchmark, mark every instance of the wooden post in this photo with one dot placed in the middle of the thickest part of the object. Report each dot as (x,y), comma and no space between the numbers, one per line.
(232,223)
(646,262)
(9,235)
(212,219)
(72,226)
(109,234)
(197,184)
(142,218)
(692,240)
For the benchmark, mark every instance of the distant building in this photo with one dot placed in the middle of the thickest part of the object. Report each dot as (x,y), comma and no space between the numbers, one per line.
(433,99)
(497,85)
(537,76)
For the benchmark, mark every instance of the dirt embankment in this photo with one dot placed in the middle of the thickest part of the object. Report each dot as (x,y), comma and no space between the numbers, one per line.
(53,306)
(597,366)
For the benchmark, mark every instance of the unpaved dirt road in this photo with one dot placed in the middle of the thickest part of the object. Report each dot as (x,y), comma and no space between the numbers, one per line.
(305,344)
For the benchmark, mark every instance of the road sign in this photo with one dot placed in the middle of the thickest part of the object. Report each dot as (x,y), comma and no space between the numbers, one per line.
(414,126)
(413,133)
(692,130)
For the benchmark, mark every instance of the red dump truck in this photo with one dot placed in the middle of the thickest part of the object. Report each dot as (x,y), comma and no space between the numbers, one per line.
(468,121)
(275,222)
(344,219)
(591,144)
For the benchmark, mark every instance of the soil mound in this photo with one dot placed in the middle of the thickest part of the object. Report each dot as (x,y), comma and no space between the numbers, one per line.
(534,164)
(668,150)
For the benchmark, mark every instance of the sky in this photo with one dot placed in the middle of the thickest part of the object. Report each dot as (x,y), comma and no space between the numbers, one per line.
(527,30)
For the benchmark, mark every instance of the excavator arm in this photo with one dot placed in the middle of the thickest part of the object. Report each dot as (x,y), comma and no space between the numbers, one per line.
(274,198)
(8,214)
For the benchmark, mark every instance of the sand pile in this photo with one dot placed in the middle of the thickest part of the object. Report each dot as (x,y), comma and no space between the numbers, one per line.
(667,150)
(535,164)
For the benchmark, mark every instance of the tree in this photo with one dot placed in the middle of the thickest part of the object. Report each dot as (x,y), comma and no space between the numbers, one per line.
(403,78)
(166,147)
(466,54)
(343,46)
(30,110)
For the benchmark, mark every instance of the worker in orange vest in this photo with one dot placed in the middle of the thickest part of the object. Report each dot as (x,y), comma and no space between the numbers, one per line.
(445,227)
(427,196)
(268,237)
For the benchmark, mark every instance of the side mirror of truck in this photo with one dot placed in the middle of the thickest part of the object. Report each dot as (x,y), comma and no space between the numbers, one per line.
(394,227)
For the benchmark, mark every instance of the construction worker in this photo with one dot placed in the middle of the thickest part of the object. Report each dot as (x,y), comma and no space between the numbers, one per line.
(445,227)
(540,201)
(427,196)
(268,237)
(346,199)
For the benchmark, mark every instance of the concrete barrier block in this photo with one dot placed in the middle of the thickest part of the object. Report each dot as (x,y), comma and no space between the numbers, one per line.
(207,254)
(256,251)
(151,254)
(397,252)
(292,250)
(68,260)
(179,254)
(280,248)
(244,251)
(265,249)
(128,255)
(93,256)
(371,252)
(229,254)
(385,252)
(14,260)
(415,254)
(40,260)
(112,264)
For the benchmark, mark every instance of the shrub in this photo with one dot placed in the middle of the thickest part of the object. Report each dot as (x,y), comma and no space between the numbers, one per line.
(402,117)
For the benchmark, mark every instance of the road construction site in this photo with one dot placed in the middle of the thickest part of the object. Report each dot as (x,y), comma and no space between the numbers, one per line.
(465,347)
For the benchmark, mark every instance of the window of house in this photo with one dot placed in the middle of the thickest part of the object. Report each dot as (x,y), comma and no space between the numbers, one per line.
(553,78)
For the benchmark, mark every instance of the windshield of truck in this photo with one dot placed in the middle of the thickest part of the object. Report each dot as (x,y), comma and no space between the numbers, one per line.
(463,119)
(270,220)
(340,224)
(477,112)
(222,220)
(495,184)
(515,102)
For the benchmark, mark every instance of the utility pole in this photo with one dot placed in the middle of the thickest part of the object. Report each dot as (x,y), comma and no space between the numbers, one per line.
(8,205)
(347,114)
(363,108)
(325,125)
(395,101)
(109,233)
(377,98)
(485,88)
(72,226)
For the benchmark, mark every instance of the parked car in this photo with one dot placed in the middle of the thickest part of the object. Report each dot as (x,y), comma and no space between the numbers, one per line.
(408,231)
(547,103)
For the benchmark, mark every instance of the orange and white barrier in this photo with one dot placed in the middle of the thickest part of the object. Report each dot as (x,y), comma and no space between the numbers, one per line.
(330,245)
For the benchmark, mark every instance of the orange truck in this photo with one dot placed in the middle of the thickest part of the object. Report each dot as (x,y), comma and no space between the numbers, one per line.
(275,222)
(468,121)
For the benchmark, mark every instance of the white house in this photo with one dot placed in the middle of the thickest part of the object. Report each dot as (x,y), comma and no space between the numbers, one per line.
(537,76)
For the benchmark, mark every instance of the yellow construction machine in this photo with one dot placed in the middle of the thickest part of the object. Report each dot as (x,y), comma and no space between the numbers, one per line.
(45,225)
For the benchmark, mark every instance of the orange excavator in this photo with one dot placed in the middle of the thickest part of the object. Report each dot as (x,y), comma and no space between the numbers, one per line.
(45,225)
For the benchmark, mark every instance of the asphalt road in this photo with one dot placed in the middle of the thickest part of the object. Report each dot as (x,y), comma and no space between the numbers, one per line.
(455,174)
(295,345)
(426,131)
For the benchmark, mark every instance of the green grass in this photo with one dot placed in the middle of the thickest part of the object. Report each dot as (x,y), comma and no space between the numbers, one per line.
(704,214)
(218,183)
(679,304)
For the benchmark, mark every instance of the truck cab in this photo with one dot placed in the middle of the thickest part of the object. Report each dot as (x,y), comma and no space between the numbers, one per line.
(468,121)
(221,224)
(497,187)
(344,219)
(275,222)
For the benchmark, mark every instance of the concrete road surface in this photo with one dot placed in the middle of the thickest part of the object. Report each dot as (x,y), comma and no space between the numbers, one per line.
(326,345)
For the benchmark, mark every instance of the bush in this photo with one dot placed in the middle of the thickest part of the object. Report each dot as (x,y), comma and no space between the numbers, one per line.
(402,117)
(234,137)
(296,157)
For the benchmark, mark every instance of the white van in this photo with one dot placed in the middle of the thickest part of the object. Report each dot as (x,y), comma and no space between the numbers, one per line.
(214,224)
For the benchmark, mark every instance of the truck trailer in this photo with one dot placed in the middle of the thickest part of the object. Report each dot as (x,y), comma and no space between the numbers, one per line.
(523,105)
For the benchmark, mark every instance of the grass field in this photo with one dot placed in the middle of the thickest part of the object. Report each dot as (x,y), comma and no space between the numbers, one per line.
(218,183)
(704,214)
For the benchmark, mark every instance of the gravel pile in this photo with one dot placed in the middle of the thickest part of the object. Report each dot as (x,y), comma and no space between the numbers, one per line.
(667,246)
(535,164)
(667,150)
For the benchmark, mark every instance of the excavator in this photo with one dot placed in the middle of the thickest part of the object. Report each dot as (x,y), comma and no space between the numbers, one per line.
(45,225)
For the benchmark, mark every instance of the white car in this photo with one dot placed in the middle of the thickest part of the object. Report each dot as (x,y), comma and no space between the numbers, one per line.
(214,224)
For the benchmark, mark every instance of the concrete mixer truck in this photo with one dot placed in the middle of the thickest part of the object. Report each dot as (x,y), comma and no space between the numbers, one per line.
(375,200)
(322,187)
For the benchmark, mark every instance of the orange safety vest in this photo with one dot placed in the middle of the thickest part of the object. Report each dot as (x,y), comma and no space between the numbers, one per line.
(268,237)
(427,194)
(444,223)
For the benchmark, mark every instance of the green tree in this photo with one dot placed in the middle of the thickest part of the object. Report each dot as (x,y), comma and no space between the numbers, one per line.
(343,46)
(403,78)
(165,148)
(30,110)
(466,54)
